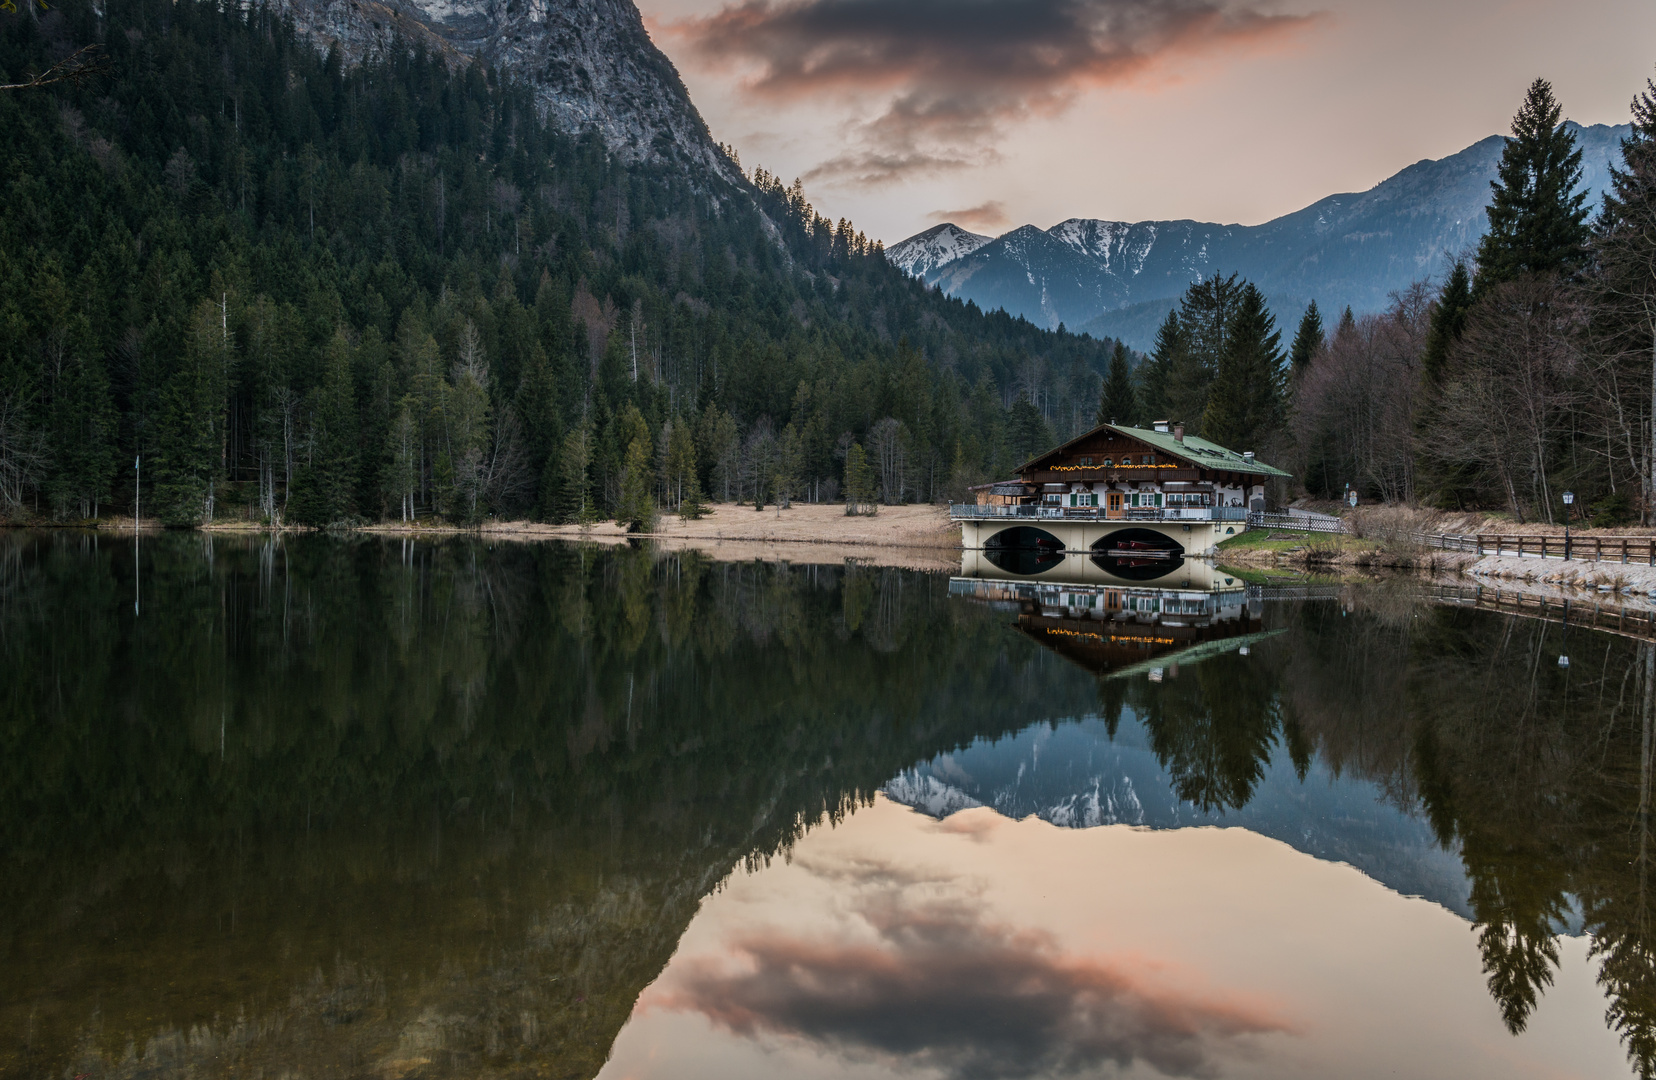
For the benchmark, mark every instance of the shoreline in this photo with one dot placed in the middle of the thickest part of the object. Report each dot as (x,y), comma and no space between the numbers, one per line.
(919,537)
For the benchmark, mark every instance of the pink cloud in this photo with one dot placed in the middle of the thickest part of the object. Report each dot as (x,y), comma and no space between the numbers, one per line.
(957,74)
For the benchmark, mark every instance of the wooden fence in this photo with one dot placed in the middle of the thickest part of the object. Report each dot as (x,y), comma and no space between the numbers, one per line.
(1622,549)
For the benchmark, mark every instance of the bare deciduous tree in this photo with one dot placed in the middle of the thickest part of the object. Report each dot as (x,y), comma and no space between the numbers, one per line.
(889,442)
(24,456)
(86,62)
(1354,407)
(1510,393)
(759,459)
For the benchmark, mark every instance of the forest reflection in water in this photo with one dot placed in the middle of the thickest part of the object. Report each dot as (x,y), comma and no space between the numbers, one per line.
(408,808)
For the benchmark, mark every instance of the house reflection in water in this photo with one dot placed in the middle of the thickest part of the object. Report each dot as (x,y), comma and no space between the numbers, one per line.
(1116,626)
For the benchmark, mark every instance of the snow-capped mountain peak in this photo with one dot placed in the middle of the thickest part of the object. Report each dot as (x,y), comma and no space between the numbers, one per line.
(924,252)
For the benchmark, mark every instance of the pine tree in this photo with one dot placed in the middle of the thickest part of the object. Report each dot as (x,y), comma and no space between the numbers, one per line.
(1537,218)
(859,482)
(1155,372)
(790,462)
(324,489)
(1117,404)
(468,427)
(572,498)
(83,428)
(638,509)
(683,478)
(1308,339)
(1246,403)
(538,407)
(1205,316)
(680,463)
(186,454)
(1448,321)
(376,391)
(1027,430)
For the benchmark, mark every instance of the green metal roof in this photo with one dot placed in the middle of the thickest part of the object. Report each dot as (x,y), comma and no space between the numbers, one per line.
(1198,452)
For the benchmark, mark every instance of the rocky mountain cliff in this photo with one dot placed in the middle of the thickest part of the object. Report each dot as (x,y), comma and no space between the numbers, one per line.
(591,62)
(1116,278)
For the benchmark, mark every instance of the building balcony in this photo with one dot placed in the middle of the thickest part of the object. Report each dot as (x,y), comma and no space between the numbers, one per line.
(1038,512)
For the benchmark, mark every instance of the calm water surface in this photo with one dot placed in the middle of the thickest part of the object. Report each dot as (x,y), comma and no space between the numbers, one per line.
(325,808)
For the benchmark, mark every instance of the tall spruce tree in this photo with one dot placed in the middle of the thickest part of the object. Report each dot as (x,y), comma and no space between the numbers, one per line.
(1027,431)
(1245,405)
(859,482)
(1157,369)
(571,495)
(1308,339)
(1537,217)
(1448,321)
(324,489)
(637,510)
(1205,316)
(1118,404)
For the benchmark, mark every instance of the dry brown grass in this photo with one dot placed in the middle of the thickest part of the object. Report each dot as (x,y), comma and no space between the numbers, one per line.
(922,527)
(1381,519)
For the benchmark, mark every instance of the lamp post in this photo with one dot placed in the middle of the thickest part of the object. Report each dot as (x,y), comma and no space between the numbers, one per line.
(1569,501)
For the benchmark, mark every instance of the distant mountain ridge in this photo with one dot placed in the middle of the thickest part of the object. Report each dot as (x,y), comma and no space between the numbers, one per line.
(1117,278)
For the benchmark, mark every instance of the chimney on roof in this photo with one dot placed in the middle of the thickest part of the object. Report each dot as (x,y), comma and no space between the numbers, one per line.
(1247,455)
(1178,432)
(1161,426)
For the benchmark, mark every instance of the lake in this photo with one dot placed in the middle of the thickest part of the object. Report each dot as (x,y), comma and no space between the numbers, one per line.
(323,807)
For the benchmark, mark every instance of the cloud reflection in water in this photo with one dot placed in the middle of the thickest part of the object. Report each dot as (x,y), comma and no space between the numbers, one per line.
(921,975)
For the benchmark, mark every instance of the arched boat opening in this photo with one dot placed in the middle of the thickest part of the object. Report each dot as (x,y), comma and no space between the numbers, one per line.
(1138,554)
(1024,550)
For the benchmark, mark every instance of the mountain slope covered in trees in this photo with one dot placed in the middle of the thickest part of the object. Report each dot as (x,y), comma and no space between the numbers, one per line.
(305,289)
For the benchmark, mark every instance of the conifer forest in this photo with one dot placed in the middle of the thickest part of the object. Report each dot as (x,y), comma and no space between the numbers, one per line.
(245,281)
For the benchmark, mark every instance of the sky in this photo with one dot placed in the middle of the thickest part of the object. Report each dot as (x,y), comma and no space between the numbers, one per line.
(899,114)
